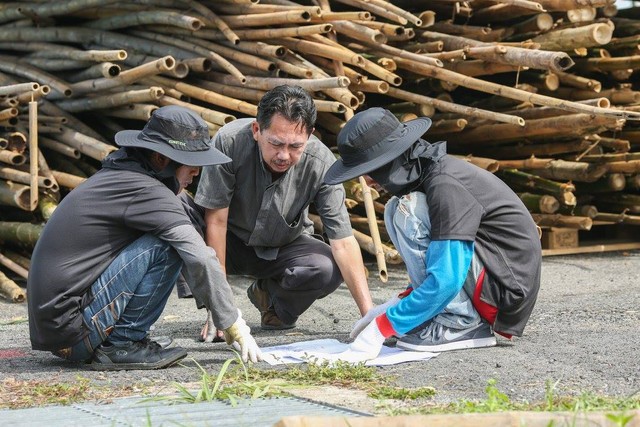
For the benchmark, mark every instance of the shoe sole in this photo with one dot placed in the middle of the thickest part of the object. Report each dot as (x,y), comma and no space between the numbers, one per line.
(458,345)
(276,328)
(165,363)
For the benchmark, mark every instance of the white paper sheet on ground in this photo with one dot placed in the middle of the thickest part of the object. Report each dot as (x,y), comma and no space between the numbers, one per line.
(300,352)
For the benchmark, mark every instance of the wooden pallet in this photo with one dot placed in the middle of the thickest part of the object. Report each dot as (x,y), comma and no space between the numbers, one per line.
(603,237)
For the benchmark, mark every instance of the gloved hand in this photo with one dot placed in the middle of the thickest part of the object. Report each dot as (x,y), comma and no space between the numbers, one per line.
(239,336)
(209,333)
(366,346)
(375,312)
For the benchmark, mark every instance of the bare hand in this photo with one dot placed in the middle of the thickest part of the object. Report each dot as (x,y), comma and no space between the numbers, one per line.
(209,333)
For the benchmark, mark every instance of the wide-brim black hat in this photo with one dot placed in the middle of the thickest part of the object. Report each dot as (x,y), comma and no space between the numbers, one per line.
(371,139)
(177,133)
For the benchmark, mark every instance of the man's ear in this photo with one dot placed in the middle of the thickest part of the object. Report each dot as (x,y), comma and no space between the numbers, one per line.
(255,128)
(159,161)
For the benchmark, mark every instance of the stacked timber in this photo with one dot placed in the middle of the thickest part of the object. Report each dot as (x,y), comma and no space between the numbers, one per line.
(542,93)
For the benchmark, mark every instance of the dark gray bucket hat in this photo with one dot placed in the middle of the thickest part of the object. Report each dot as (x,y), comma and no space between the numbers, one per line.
(179,134)
(371,139)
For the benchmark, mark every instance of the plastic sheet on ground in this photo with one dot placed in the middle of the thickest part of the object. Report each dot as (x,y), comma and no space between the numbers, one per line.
(304,351)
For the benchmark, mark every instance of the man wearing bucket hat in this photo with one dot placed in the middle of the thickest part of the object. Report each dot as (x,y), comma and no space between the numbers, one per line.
(256,211)
(107,260)
(471,248)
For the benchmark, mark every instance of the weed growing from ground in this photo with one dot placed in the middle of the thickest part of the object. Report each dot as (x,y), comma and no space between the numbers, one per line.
(16,394)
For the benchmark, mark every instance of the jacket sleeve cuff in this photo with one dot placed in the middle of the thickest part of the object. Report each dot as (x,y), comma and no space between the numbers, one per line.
(385,326)
(406,292)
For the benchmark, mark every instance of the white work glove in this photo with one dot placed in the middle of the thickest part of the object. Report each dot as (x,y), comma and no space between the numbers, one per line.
(366,346)
(372,314)
(209,333)
(239,336)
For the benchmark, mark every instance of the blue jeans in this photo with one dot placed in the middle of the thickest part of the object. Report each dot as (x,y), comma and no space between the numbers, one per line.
(129,296)
(408,224)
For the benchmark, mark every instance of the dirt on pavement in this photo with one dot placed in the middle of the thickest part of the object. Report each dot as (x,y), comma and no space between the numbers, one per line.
(584,334)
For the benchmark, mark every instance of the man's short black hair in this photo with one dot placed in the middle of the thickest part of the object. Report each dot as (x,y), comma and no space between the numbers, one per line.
(292,102)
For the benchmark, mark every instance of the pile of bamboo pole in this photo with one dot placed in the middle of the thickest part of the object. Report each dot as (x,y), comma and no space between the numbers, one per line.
(542,93)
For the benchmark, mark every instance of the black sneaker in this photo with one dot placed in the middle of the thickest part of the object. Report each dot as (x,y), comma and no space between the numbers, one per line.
(436,338)
(145,354)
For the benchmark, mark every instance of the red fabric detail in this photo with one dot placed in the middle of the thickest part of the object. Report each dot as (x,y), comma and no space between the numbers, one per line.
(485,310)
(406,292)
(385,326)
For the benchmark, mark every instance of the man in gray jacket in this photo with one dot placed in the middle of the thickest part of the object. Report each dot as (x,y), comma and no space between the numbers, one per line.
(108,258)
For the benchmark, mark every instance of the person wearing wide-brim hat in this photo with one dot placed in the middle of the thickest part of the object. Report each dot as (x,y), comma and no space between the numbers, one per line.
(470,246)
(108,258)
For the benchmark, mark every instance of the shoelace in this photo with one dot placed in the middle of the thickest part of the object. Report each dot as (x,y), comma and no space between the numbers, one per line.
(432,330)
(147,342)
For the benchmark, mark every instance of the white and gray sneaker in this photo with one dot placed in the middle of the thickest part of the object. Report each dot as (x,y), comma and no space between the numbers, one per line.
(435,337)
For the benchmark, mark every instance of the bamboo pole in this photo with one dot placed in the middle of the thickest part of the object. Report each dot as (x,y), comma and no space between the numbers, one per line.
(267,83)
(557,220)
(323,50)
(21,260)
(454,108)
(359,32)
(373,229)
(540,203)
(104,69)
(17,88)
(20,232)
(630,166)
(217,53)
(127,77)
(147,18)
(13,266)
(269,18)
(13,194)
(12,158)
(13,12)
(45,171)
(570,38)
(68,180)
(556,127)
(376,9)
(610,183)
(562,191)
(208,96)
(558,169)
(233,91)
(140,112)
(49,50)
(21,177)
(10,290)
(46,206)
(150,94)
(212,116)
(13,65)
(85,144)
(518,94)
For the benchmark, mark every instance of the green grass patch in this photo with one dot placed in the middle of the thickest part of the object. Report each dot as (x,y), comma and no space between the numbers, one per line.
(16,394)
(497,401)
(400,393)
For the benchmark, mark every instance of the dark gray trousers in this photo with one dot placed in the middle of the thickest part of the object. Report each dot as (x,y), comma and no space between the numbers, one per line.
(303,271)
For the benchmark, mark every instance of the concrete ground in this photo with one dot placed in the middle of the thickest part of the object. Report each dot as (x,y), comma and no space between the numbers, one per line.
(584,334)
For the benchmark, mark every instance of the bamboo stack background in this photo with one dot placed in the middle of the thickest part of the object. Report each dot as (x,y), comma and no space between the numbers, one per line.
(542,93)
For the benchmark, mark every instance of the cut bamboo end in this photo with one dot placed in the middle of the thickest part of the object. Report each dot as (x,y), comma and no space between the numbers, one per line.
(11,290)
(427,18)
(11,158)
(17,195)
